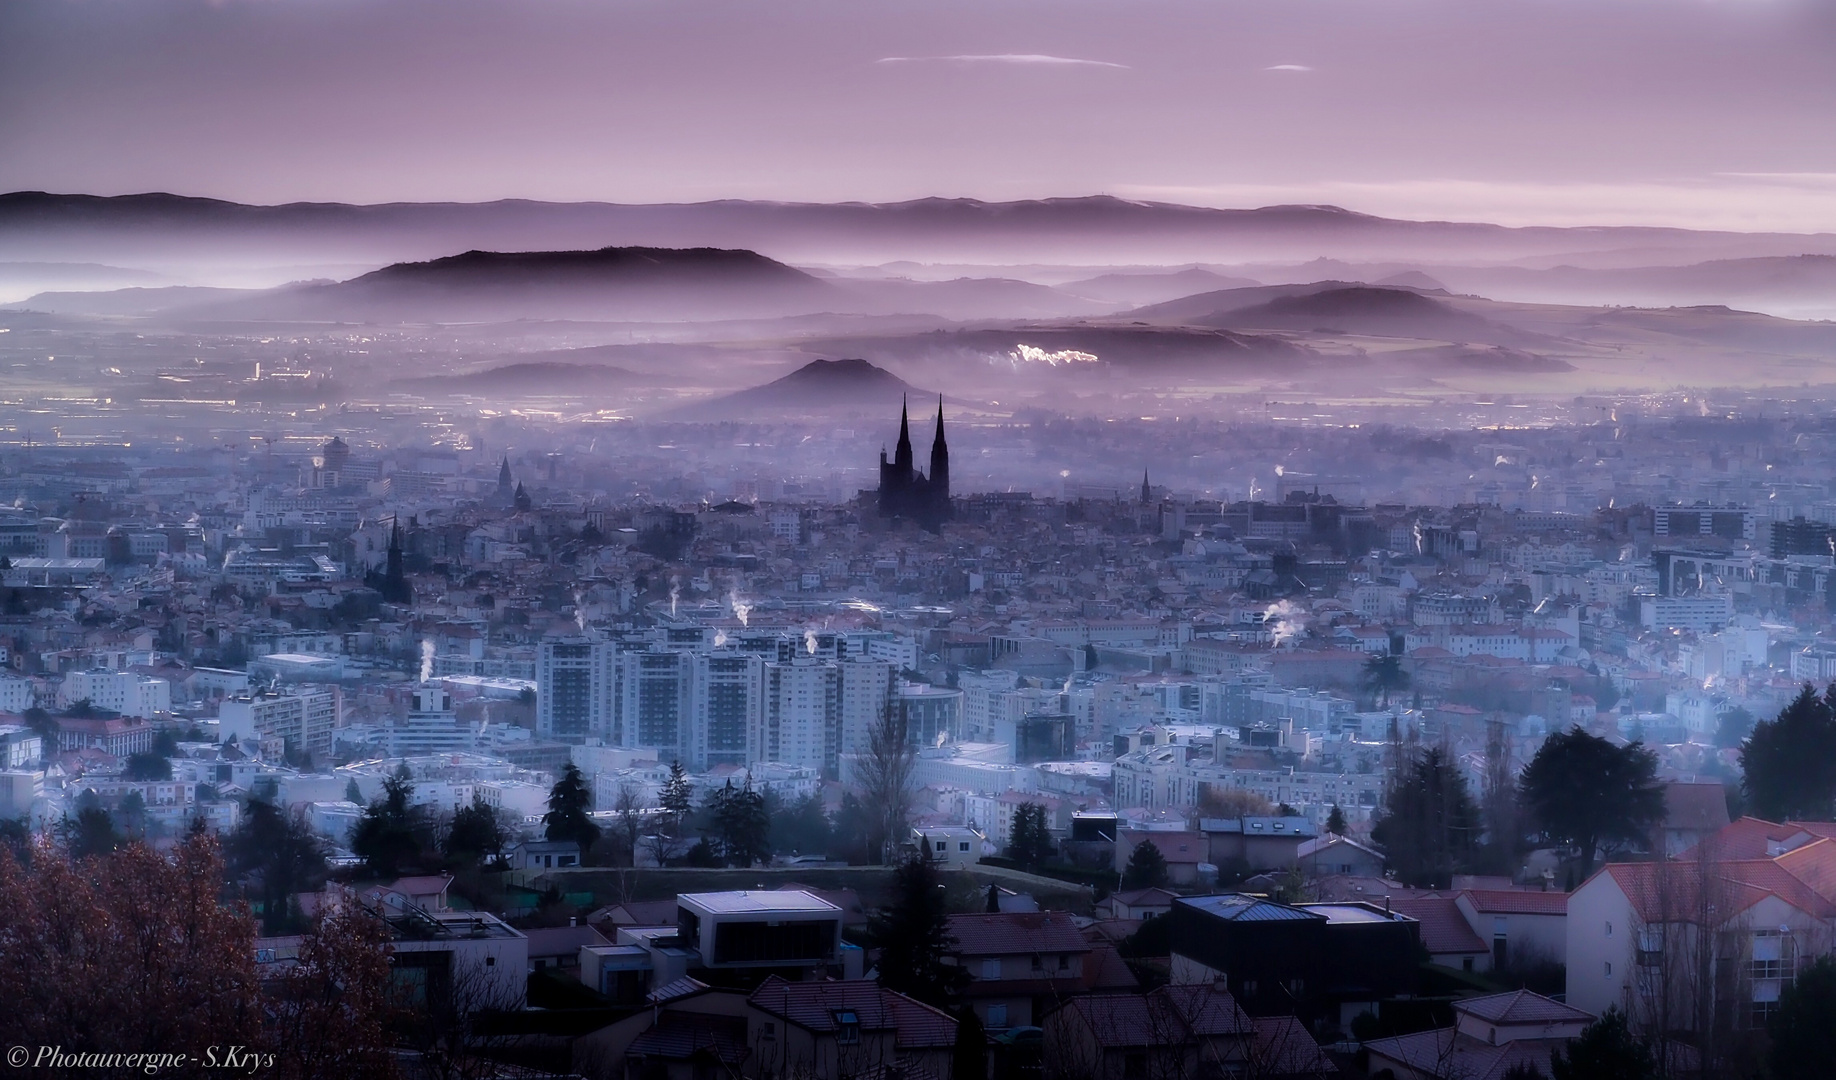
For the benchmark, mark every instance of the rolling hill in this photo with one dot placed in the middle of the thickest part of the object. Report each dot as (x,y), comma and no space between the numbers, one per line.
(818,386)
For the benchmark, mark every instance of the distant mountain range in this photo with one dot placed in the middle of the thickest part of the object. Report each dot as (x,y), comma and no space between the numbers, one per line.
(123,229)
(485,286)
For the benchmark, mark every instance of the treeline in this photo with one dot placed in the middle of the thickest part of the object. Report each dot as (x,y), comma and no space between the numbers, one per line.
(1586,794)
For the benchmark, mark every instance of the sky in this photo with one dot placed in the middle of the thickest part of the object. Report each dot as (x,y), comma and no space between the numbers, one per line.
(1709,113)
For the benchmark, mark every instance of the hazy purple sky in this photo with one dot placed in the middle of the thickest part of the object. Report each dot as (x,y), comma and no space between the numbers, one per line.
(1708,112)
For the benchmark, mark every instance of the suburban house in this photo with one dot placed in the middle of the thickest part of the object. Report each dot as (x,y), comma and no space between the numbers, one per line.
(1711,936)
(1183,851)
(1521,926)
(1191,1030)
(1326,855)
(691,1030)
(1446,935)
(951,847)
(1261,843)
(1019,964)
(544,855)
(1491,1035)
(846,1028)
(1136,904)
(1693,812)
(557,948)
(1321,961)
(738,937)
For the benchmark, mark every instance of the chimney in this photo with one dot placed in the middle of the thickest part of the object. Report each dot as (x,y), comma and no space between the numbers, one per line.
(1386,903)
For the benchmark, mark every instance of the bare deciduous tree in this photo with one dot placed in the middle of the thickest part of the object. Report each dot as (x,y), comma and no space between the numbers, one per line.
(884,772)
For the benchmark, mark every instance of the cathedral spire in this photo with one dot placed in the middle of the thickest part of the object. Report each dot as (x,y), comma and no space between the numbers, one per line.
(940,461)
(902,452)
(1147,493)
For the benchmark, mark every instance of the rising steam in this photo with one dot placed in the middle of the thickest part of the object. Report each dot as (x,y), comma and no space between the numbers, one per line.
(1290,621)
(427,653)
(1033,354)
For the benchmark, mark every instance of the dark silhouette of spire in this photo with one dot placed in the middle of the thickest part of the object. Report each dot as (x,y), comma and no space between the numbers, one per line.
(1147,493)
(503,478)
(940,461)
(902,451)
(521,500)
(907,493)
(394,585)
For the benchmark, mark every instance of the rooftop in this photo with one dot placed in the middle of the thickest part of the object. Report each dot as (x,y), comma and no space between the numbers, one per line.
(1240,907)
(757,901)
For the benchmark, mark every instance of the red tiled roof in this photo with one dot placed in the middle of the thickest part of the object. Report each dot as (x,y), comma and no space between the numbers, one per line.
(1672,892)
(1815,865)
(679,1036)
(1517,902)
(812,1006)
(1171,1014)
(1016,933)
(1444,929)
(1695,806)
(1104,970)
(1747,838)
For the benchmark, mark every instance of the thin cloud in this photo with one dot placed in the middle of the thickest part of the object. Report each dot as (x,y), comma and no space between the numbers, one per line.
(1021,59)
(1287,67)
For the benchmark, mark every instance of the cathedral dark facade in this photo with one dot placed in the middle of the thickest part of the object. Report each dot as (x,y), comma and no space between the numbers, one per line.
(907,493)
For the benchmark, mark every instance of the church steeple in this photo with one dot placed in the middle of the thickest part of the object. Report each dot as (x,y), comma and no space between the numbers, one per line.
(940,459)
(503,478)
(902,452)
(1147,493)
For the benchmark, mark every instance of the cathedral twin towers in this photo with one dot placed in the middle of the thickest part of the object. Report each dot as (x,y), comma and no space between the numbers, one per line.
(907,493)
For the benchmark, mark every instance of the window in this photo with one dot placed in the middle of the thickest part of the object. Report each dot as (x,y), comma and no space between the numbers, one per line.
(1038,962)
(1064,962)
(847,1027)
(962,845)
(768,1030)
(1768,958)
(490,961)
(991,968)
(1466,963)
(1650,948)
(997,1016)
(943,845)
(1609,969)
(1609,928)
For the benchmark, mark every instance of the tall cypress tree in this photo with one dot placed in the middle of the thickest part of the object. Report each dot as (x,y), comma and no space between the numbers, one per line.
(1789,762)
(1429,825)
(913,936)
(567,817)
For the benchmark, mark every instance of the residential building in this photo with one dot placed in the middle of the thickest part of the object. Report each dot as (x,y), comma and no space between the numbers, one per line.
(1020,964)
(304,718)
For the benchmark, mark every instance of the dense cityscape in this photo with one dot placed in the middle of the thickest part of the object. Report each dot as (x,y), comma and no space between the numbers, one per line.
(1169,540)
(1015,763)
